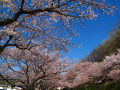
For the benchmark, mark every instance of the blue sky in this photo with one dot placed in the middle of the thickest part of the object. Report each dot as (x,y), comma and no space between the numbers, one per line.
(92,34)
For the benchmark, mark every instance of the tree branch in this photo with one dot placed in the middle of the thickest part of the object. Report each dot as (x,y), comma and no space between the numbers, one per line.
(32,12)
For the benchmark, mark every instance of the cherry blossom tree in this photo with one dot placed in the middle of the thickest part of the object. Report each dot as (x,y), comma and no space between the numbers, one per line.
(24,23)
(93,72)
(33,69)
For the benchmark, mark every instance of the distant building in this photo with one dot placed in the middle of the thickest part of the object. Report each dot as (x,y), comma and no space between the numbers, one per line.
(60,88)
(8,87)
